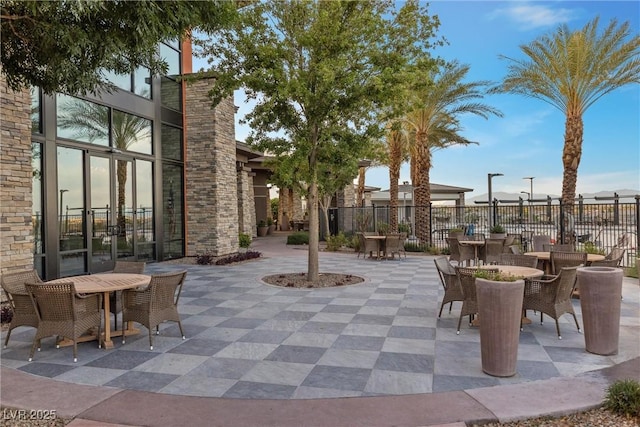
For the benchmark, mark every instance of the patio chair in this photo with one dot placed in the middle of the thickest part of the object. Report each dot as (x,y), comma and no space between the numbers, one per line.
(366,246)
(514,249)
(154,304)
(559,259)
(616,255)
(467,252)
(519,259)
(551,295)
(395,244)
(537,242)
(511,239)
(450,283)
(467,279)
(115,303)
(491,251)
(63,312)
(454,249)
(19,300)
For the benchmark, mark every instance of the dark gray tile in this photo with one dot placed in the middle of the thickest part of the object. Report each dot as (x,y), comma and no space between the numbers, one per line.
(390,291)
(384,302)
(122,359)
(250,390)
(442,383)
(415,312)
(221,311)
(336,308)
(265,336)
(335,377)
(405,362)
(323,327)
(241,323)
(372,319)
(527,337)
(357,342)
(457,349)
(137,380)
(49,370)
(415,332)
(200,347)
(208,302)
(315,300)
(536,370)
(218,367)
(296,354)
(294,315)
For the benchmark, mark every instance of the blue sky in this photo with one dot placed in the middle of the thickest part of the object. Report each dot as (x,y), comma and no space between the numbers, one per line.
(528,140)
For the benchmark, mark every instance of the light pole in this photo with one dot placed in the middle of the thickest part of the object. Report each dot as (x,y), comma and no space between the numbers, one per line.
(530,178)
(489,177)
(61,196)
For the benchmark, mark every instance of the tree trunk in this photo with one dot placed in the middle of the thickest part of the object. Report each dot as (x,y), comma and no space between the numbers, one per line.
(313,274)
(571,155)
(325,202)
(395,159)
(361,173)
(423,190)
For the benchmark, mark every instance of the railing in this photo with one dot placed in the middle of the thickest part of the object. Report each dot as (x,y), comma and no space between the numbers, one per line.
(592,226)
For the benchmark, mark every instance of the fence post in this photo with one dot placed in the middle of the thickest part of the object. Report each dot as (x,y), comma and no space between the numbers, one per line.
(637,225)
(561,219)
(616,209)
(430,207)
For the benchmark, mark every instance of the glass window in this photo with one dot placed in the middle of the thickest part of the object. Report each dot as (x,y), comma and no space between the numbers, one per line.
(172,58)
(131,133)
(36,111)
(172,219)
(142,82)
(144,210)
(36,188)
(171,93)
(171,142)
(175,43)
(71,215)
(123,81)
(82,120)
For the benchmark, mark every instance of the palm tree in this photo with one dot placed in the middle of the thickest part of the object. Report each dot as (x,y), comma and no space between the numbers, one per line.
(433,124)
(571,70)
(397,153)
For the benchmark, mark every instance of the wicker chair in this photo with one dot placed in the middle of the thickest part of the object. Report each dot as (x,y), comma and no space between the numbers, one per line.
(367,246)
(537,242)
(115,303)
(63,312)
(605,263)
(468,286)
(560,260)
(511,239)
(551,295)
(19,300)
(154,303)
(394,244)
(450,283)
(454,249)
(616,255)
(467,252)
(514,249)
(491,251)
(519,260)
(560,247)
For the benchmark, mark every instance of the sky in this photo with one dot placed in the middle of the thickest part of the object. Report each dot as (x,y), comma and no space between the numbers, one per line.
(528,140)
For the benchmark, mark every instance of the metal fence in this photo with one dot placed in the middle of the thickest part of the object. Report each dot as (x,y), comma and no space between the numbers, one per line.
(593,225)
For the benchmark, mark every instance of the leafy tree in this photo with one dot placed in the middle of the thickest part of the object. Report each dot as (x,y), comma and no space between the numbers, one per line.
(318,69)
(67,46)
(571,70)
(433,123)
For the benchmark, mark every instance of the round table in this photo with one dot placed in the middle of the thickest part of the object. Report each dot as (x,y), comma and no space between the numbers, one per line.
(546,256)
(515,270)
(105,283)
(475,243)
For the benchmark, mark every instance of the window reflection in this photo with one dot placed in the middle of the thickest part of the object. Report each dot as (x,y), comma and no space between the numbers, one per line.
(171,142)
(172,58)
(71,217)
(131,133)
(36,111)
(142,82)
(144,210)
(172,211)
(82,120)
(122,81)
(36,188)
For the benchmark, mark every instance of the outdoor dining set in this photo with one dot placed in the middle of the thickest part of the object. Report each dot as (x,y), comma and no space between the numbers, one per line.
(78,309)
(382,245)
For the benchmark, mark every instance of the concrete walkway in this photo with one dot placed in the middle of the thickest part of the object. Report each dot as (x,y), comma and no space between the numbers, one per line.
(261,356)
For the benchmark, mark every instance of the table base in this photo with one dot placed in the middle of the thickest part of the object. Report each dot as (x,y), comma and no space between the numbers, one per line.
(66,342)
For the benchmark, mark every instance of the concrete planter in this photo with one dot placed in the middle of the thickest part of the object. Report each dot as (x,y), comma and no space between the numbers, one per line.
(600,295)
(262,231)
(500,313)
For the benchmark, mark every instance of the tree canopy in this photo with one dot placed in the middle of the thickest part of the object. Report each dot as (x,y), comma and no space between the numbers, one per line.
(323,73)
(68,46)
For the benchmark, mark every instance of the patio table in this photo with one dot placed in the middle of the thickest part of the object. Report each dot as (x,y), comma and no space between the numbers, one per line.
(476,245)
(380,241)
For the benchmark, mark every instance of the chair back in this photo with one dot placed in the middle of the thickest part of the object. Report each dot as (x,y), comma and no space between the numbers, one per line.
(538,241)
(467,279)
(519,260)
(514,249)
(492,250)
(560,247)
(605,263)
(13,283)
(560,260)
(454,248)
(444,266)
(53,302)
(616,254)
(393,242)
(567,277)
(132,267)
(165,289)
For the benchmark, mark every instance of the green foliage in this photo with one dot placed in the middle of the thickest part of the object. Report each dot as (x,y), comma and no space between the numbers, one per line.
(497,228)
(243,256)
(623,398)
(244,240)
(633,271)
(298,238)
(334,243)
(496,276)
(591,248)
(66,46)
(404,228)
(274,204)
(383,228)
(269,221)
(415,247)
(262,223)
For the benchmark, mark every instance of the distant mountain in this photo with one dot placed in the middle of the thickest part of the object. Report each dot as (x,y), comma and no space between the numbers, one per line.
(625,196)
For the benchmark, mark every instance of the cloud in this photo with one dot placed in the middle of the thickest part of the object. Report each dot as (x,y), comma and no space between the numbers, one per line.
(531,16)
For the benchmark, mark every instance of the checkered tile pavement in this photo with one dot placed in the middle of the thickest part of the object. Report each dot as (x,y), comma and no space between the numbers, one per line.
(247,339)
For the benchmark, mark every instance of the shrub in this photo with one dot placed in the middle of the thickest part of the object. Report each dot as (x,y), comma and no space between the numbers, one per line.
(243,256)
(623,398)
(591,248)
(496,276)
(298,238)
(334,243)
(6,313)
(262,223)
(244,240)
(204,259)
(383,228)
(415,247)
(496,229)
(404,228)
(269,221)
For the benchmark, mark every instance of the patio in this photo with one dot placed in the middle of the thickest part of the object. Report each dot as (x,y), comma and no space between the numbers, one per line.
(249,340)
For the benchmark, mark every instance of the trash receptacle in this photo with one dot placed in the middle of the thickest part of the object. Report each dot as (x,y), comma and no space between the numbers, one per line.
(600,294)
(471,229)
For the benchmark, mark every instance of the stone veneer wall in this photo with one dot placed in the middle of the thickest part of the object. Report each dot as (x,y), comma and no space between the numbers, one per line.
(246,213)
(211,178)
(16,247)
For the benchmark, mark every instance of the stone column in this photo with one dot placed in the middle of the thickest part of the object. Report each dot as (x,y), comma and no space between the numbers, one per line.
(210,173)
(246,213)
(16,238)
